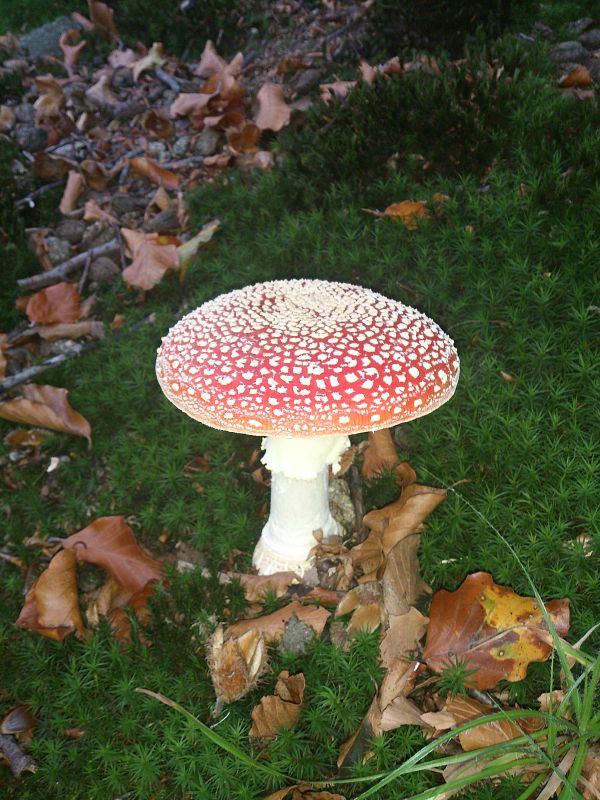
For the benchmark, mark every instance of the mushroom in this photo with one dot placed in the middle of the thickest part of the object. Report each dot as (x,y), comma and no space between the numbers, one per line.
(304,363)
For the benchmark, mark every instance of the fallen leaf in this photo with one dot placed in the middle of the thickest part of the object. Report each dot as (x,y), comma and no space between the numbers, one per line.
(71,51)
(244,139)
(272,625)
(336,90)
(19,438)
(75,186)
(380,454)
(236,664)
(18,721)
(109,543)
(189,103)
(464,709)
(51,99)
(187,250)
(279,711)
(122,58)
(57,303)
(402,583)
(156,57)
(408,212)
(94,174)
(157,124)
(102,17)
(491,629)
(72,330)
(92,212)
(51,606)
(7,119)
(302,791)
(402,636)
(49,167)
(111,601)
(273,112)
(210,61)
(366,604)
(100,93)
(575,78)
(151,259)
(154,172)
(46,407)
(256,587)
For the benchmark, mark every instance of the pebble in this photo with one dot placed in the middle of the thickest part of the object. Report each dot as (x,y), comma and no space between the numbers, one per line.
(207,142)
(58,250)
(31,138)
(591,39)
(71,230)
(158,151)
(24,112)
(165,221)
(569,51)
(180,147)
(128,109)
(306,80)
(104,270)
(579,25)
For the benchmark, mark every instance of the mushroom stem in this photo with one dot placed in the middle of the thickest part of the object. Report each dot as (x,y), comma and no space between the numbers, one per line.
(299,500)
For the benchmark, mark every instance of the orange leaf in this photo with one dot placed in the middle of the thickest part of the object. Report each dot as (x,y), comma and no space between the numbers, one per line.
(576,78)
(408,212)
(46,407)
(492,629)
(75,186)
(273,112)
(380,454)
(111,601)
(51,606)
(244,140)
(157,124)
(102,17)
(151,259)
(154,172)
(109,542)
(279,711)
(58,303)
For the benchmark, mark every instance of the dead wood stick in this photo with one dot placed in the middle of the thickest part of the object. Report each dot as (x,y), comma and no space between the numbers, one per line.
(167,79)
(28,199)
(84,274)
(60,271)
(355,482)
(18,760)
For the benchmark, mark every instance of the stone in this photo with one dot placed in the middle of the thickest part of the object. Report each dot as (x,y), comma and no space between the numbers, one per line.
(104,270)
(340,503)
(579,25)
(58,250)
(594,69)
(125,204)
(207,142)
(31,138)
(24,112)
(128,109)
(122,78)
(43,41)
(591,39)
(181,146)
(541,31)
(164,222)
(158,151)
(569,51)
(98,233)
(306,80)
(297,637)
(71,230)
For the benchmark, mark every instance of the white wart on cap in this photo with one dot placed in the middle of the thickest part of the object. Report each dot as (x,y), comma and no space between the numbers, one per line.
(305,358)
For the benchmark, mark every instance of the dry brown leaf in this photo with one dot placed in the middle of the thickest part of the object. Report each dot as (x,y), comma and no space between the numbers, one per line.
(155,57)
(7,119)
(111,601)
(75,186)
(401,711)
(49,167)
(102,17)
(280,711)
(20,437)
(408,212)
(365,603)
(100,93)
(402,637)
(52,97)
(273,112)
(402,582)
(58,303)
(336,90)
(71,51)
(161,199)
(380,453)
(490,628)
(151,259)
(188,103)
(46,407)
(551,700)
(210,61)
(576,78)
(95,175)
(122,58)
(272,625)
(236,664)
(256,587)
(92,213)
(154,172)
(109,543)
(302,791)
(157,124)
(244,139)
(187,250)
(51,606)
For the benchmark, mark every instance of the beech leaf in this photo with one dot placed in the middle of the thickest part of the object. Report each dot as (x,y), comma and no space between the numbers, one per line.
(210,61)
(51,606)
(109,543)
(402,637)
(102,17)
(380,453)
(281,710)
(154,172)
(492,629)
(402,582)
(75,186)
(58,303)
(151,259)
(71,52)
(273,112)
(272,625)
(156,57)
(256,587)
(46,407)
(188,103)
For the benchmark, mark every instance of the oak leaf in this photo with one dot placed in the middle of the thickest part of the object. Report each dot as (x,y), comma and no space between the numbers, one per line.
(51,606)
(236,665)
(491,629)
(151,259)
(281,710)
(46,407)
(75,186)
(273,112)
(272,625)
(154,172)
(109,543)
(58,303)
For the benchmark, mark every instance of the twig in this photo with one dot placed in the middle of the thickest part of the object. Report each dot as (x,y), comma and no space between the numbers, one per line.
(18,760)
(183,162)
(121,248)
(28,199)
(167,79)
(355,482)
(131,154)
(56,274)
(85,272)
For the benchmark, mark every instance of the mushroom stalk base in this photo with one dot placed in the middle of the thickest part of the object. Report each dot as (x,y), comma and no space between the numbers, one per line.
(299,505)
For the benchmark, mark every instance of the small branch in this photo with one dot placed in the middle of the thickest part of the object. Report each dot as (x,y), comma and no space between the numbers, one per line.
(28,199)
(18,760)
(182,162)
(355,482)
(58,273)
(167,79)
(84,274)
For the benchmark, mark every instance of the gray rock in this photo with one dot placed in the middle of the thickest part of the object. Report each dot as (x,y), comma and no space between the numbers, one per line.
(125,204)
(340,503)
(164,222)
(579,25)
(541,31)
(594,69)
(31,138)
(97,234)
(591,39)
(181,146)
(297,637)
(122,78)
(207,142)
(128,109)
(71,230)
(43,41)
(24,112)
(306,80)
(104,270)
(58,250)
(569,51)
(158,151)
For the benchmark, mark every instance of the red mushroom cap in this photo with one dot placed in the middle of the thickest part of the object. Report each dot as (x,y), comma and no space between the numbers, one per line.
(306,358)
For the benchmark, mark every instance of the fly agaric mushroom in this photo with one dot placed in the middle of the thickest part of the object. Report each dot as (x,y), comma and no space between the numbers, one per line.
(304,363)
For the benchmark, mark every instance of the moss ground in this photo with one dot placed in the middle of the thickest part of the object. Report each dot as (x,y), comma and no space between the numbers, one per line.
(508,267)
